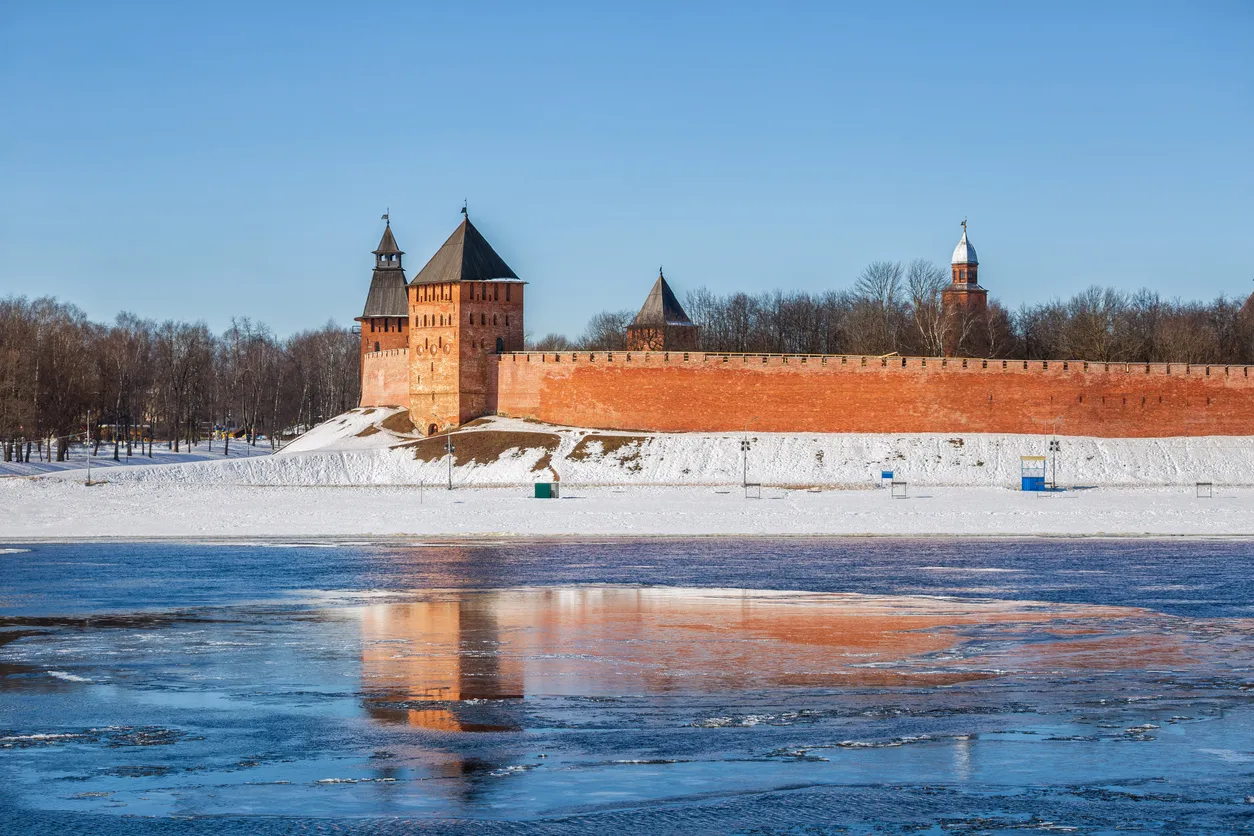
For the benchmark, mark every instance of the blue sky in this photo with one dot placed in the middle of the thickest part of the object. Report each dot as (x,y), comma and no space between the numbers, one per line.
(209,160)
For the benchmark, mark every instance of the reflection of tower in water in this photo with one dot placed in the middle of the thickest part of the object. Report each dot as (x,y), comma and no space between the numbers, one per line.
(439,652)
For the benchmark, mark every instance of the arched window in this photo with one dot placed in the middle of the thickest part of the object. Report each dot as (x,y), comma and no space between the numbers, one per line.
(493,319)
(376,346)
(507,315)
(471,319)
(483,319)
(500,345)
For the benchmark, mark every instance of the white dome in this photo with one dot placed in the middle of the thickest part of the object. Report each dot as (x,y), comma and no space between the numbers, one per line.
(964,253)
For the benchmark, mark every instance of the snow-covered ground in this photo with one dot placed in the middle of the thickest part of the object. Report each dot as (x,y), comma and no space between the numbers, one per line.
(57,509)
(367,474)
(78,460)
(356,449)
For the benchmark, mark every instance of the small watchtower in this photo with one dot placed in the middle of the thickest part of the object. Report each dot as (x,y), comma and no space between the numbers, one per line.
(466,305)
(662,324)
(964,294)
(384,321)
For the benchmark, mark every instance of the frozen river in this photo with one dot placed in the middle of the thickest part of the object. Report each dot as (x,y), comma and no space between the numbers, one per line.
(659,686)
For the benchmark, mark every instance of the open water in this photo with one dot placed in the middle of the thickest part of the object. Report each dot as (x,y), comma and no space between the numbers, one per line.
(663,686)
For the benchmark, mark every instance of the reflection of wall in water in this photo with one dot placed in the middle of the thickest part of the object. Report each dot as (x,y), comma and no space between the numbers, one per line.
(438,651)
(610,641)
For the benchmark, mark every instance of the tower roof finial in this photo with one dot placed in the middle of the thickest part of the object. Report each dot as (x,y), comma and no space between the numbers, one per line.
(964,253)
(465,212)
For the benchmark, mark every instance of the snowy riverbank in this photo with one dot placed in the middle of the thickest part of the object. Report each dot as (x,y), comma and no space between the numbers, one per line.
(367,474)
(377,447)
(63,509)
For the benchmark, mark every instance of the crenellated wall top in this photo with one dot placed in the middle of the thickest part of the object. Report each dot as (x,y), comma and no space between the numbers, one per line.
(893,361)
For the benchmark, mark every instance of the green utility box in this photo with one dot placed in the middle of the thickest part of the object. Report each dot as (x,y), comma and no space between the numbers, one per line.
(546,490)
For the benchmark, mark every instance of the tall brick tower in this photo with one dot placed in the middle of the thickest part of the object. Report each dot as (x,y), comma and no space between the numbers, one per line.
(964,294)
(465,307)
(384,321)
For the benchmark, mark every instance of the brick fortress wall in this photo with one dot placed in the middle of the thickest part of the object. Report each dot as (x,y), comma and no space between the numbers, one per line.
(385,378)
(678,392)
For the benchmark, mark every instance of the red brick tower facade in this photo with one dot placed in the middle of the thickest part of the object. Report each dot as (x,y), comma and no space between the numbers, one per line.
(465,307)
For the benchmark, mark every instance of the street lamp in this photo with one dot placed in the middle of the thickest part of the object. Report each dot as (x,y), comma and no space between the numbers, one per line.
(744,452)
(1055,447)
(448,448)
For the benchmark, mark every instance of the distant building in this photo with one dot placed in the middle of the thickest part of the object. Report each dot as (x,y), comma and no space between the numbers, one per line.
(661,324)
(964,294)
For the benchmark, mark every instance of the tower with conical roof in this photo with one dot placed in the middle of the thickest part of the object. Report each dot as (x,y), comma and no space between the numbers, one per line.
(662,324)
(384,321)
(466,308)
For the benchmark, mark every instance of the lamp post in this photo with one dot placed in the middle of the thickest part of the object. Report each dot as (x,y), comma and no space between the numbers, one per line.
(1055,447)
(744,453)
(448,448)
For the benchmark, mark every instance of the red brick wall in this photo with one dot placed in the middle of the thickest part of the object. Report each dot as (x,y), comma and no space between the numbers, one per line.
(455,330)
(373,331)
(712,392)
(385,378)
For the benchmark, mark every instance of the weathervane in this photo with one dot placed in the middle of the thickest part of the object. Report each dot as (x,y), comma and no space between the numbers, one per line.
(964,226)
(387,215)
(464,211)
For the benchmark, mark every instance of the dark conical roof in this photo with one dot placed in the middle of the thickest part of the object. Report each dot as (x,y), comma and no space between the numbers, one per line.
(387,244)
(661,308)
(465,257)
(387,296)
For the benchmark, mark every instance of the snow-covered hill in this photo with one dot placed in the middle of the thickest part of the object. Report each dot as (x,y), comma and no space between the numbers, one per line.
(379,447)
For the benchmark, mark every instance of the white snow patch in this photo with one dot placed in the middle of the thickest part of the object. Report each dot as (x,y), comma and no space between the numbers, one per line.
(334,482)
(335,453)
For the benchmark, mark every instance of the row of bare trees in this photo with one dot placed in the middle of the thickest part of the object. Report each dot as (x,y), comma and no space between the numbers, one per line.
(895,307)
(137,381)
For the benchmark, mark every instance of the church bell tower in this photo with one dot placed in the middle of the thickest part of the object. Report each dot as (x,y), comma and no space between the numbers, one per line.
(964,294)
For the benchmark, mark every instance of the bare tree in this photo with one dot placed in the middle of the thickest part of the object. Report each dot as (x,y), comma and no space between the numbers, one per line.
(933,325)
(607,331)
(551,342)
